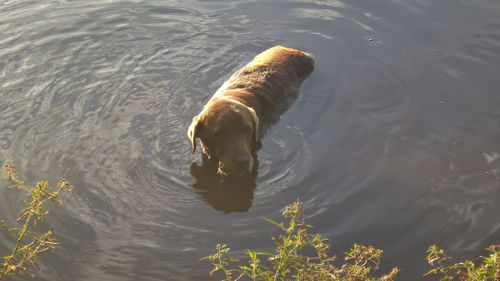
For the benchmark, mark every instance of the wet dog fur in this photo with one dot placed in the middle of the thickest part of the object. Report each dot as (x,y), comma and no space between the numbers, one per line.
(234,120)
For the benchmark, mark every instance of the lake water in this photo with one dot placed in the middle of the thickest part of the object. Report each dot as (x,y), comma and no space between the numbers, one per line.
(394,141)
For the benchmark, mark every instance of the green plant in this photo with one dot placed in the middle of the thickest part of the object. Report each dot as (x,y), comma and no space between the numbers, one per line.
(488,269)
(288,262)
(28,243)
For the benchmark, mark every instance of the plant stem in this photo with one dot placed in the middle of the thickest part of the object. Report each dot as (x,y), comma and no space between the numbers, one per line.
(18,243)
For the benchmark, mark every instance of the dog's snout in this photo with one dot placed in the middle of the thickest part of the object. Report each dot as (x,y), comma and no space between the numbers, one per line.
(239,165)
(241,161)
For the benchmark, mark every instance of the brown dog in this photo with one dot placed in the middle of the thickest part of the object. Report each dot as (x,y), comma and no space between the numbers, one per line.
(237,116)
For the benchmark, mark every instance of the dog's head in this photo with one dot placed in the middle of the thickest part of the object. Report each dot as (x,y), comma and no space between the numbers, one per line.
(229,133)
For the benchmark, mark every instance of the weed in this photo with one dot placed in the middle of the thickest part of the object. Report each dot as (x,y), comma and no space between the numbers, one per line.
(288,262)
(28,243)
(487,270)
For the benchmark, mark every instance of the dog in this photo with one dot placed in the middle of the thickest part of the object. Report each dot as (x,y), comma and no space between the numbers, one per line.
(232,123)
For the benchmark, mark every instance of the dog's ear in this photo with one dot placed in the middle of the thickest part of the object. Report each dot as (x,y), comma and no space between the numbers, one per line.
(255,136)
(194,132)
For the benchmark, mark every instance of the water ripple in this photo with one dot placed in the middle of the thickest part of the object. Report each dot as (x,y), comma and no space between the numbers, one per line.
(383,145)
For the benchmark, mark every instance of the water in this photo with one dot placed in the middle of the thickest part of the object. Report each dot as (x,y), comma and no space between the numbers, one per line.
(393,142)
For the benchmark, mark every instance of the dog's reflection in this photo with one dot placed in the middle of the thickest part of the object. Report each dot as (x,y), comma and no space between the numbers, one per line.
(224,193)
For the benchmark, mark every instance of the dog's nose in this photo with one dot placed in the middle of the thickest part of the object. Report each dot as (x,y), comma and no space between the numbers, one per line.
(241,161)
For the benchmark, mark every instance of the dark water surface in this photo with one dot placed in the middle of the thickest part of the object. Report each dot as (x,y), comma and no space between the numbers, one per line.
(394,141)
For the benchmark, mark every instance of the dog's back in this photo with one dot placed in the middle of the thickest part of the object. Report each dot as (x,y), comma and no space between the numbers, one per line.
(273,77)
